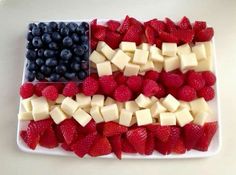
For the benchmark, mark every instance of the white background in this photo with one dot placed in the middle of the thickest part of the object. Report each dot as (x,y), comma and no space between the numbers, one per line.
(14,17)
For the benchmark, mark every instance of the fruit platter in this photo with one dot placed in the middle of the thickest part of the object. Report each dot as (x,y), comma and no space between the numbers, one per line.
(120,89)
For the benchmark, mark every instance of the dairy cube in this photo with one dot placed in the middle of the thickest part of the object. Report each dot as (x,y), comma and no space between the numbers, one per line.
(96,114)
(204,65)
(109,101)
(154,49)
(156,109)
(25,116)
(131,106)
(140,56)
(171,103)
(183,117)
(120,59)
(131,69)
(104,68)
(40,108)
(167,119)
(58,115)
(125,117)
(59,99)
(82,117)
(158,66)
(184,105)
(183,49)
(143,101)
(100,45)
(96,57)
(188,61)
(107,51)
(153,100)
(127,46)
(200,118)
(144,46)
(169,49)
(146,67)
(208,46)
(156,57)
(143,117)
(199,105)
(171,63)
(69,106)
(83,101)
(110,112)
(200,52)
(26,103)
(98,100)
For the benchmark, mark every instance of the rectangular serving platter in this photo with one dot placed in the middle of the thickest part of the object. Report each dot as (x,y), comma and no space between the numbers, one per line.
(213,149)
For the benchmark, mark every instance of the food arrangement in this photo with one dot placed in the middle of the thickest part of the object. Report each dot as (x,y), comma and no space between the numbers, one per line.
(147,89)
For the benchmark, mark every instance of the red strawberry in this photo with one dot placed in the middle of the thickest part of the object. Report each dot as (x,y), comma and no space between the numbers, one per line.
(112,128)
(208,133)
(150,88)
(100,147)
(99,127)
(150,35)
(158,43)
(90,127)
(160,132)
(69,130)
(122,93)
(125,25)
(115,142)
(70,89)
(209,78)
(26,90)
(66,147)
(179,147)
(185,36)
(136,23)
(172,80)
(185,23)
(23,135)
(152,75)
(90,86)
(135,83)
(50,93)
(208,93)
(93,43)
(133,34)
(99,32)
(93,23)
(170,25)
(150,144)
(195,80)
(39,87)
(168,37)
(58,133)
(162,92)
(107,84)
(126,146)
(137,137)
(199,25)
(192,132)
(158,25)
(113,25)
(205,34)
(186,93)
(48,139)
(113,39)
(82,146)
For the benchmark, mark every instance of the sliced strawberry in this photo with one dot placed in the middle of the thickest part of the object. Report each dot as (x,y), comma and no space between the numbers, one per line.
(93,23)
(115,142)
(170,25)
(136,23)
(199,25)
(157,25)
(23,135)
(93,43)
(69,130)
(90,127)
(112,128)
(150,144)
(185,36)
(49,139)
(185,23)
(125,25)
(113,25)
(66,147)
(99,32)
(150,35)
(158,43)
(58,133)
(160,132)
(133,34)
(113,39)
(126,146)
(205,34)
(167,37)
(179,147)
(100,147)
(208,133)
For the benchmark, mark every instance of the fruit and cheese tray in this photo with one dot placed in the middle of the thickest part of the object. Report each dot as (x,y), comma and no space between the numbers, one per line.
(125,89)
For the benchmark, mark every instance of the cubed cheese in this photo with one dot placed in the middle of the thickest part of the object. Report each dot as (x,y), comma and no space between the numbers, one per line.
(171,63)
(131,106)
(208,46)
(82,117)
(125,117)
(107,51)
(171,103)
(131,69)
(57,115)
(104,68)
(143,101)
(83,101)
(100,45)
(154,49)
(188,61)
(156,57)
(120,59)
(127,46)
(200,118)
(183,117)
(110,112)
(98,100)
(184,105)
(199,105)
(169,49)
(200,52)
(156,109)
(26,103)
(205,65)
(140,56)
(96,57)
(69,106)
(146,67)
(25,116)
(167,118)
(143,117)
(96,114)
(40,108)
(183,49)
(144,46)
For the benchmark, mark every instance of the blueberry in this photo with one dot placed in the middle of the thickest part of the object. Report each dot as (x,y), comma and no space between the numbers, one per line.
(77,58)
(53,25)
(78,50)
(37,42)
(54,77)
(85,46)
(82,75)
(31,55)
(70,76)
(75,66)
(56,36)
(45,70)
(41,25)
(85,56)
(30,76)
(51,62)
(36,31)
(66,54)
(30,36)
(84,65)
(46,38)
(53,46)
(85,25)
(67,41)
(40,76)
(31,26)
(84,39)
(75,37)
(56,53)
(61,25)
(64,31)
(47,29)
(32,66)
(30,45)
(60,69)
(72,26)
(39,61)
(48,53)
(40,53)
(80,30)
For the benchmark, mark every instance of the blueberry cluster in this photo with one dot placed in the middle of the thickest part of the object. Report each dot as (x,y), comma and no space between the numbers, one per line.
(57,51)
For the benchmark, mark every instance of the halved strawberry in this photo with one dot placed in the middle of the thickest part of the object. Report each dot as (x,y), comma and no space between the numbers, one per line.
(66,147)
(126,146)
(112,128)
(100,147)
(157,25)
(125,25)
(199,25)
(90,127)
(113,25)
(99,32)
(115,142)
(113,39)
(158,43)
(205,34)
(69,130)
(133,34)
(184,23)
(136,23)
(168,37)
(150,35)
(93,43)
(150,143)
(23,135)
(170,25)
(185,36)
(160,132)
(179,147)
(48,139)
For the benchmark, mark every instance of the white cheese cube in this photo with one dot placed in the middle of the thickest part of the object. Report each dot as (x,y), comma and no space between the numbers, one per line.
(69,106)
(200,118)
(98,100)
(199,105)
(146,67)
(169,49)
(109,101)
(167,119)
(26,103)
(96,57)
(104,68)
(156,57)
(110,112)
(154,49)
(171,103)
(82,117)
(140,56)
(200,52)
(131,106)
(144,46)
(208,46)
(204,65)
(107,51)
(183,117)
(59,99)
(83,101)
(156,109)
(153,100)
(188,61)
(158,66)
(143,101)
(96,114)
(125,117)
(183,49)
(114,68)
(127,46)
(171,63)
(143,117)
(120,105)
(184,105)
(131,69)
(25,116)
(120,59)
(58,115)
(40,108)
(100,45)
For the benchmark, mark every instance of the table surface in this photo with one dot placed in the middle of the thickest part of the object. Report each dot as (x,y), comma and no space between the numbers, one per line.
(14,17)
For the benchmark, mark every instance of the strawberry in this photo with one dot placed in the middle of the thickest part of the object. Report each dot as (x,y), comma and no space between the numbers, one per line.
(170,25)
(100,147)
(113,25)
(48,139)
(168,37)
(125,25)
(113,39)
(208,133)
(93,43)
(126,146)
(115,142)
(66,147)
(160,132)
(99,127)
(185,36)
(69,130)
(58,133)
(90,127)
(179,147)
(150,35)
(136,23)
(23,135)
(93,23)
(150,144)
(158,43)
(184,23)
(112,128)
(205,34)
(133,34)
(99,32)
(199,25)
(137,137)
(157,25)
(82,146)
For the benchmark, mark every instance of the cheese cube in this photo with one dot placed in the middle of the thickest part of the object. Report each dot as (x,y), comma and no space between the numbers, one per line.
(58,115)
(131,69)
(146,67)
(153,100)
(96,57)
(200,52)
(144,46)
(158,66)
(59,99)
(125,117)
(199,105)
(169,49)
(40,108)
(167,119)
(184,105)
(183,117)
(183,49)
(156,57)
(100,45)
(82,117)
(114,68)
(120,59)
(131,106)
(200,118)
(156,109)
(104,68)
(127,46)
(107,51)
(109,101)
(140,56)
(26,103)
(171,63)
(208,46)
(171,103)
(143,117)
(143,101)
(110,112)
(96,114)
(188,61)
(98,100)
(83,101)
(69,106)
(205,65)
(154,49)
(130,54)
(25,116)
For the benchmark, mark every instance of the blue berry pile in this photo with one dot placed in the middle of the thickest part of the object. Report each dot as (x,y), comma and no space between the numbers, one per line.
(57,51)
